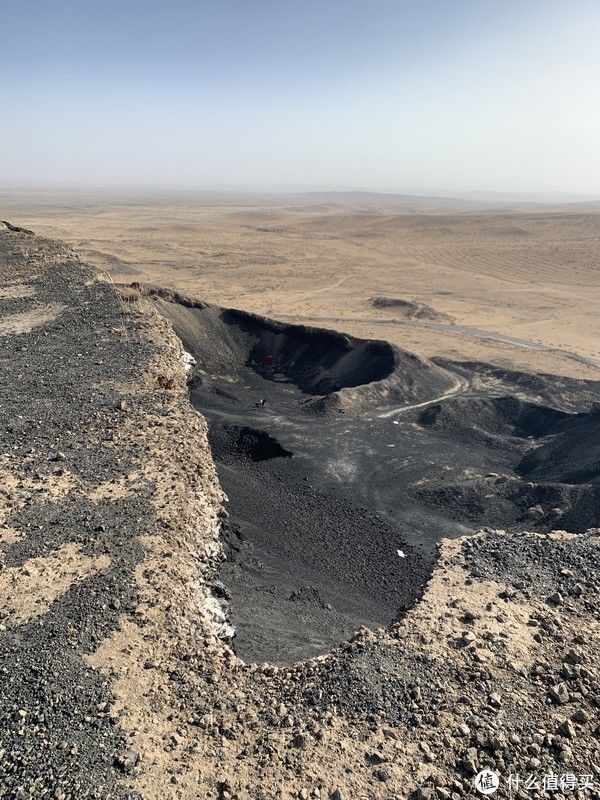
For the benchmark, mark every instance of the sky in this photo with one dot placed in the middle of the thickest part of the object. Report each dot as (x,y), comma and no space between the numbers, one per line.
(389,95)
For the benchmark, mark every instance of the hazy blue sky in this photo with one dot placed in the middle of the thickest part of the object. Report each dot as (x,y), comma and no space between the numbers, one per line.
(385,94)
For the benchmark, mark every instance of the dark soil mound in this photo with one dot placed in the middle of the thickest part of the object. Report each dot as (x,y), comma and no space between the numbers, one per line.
(571,456)
(504,416)
(411,309)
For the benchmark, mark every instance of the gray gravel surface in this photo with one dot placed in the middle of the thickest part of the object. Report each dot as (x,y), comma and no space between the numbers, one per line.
(58,737)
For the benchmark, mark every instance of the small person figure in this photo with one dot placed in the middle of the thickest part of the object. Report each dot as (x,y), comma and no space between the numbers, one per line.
(261,403)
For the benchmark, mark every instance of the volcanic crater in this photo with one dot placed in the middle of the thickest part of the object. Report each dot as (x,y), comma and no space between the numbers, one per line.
(346,461)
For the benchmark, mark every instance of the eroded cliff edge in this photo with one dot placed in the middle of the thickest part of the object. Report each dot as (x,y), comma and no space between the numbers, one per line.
(115,682)
(109,508)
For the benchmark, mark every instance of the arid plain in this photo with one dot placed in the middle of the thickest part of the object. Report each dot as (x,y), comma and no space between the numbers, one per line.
(524,271)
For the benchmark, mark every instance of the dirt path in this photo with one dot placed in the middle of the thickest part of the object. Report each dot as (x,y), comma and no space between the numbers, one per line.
(329,288)
(461,385)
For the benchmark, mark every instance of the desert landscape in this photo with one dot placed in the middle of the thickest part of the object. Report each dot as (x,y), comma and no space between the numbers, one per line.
(331,542)
(300,400)
(514,271)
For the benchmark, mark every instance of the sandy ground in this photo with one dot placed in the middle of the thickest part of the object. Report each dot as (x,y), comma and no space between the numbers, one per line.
(531,273)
